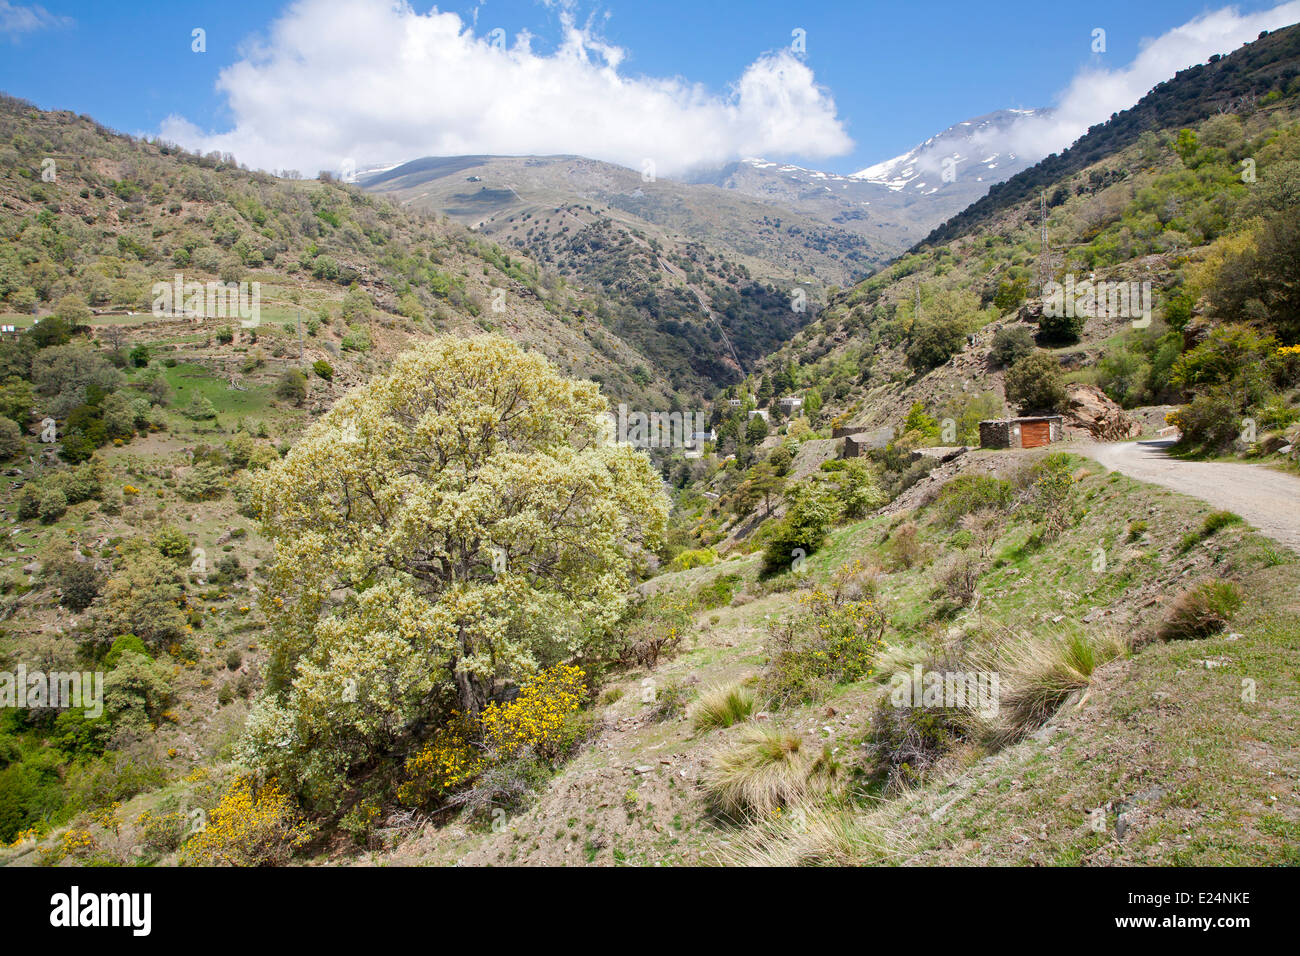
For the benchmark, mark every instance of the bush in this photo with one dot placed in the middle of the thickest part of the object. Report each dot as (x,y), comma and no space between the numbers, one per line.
(292,387)
(1039,675)
(250,826)
(905,549)
(539,718)
(11,439)
(721,707)
(907,740)
(77,581)
(1011,344)
(812,510)
(1062,329)
(199,409)
(830,642)
(323,369)
(1209,423)
(1050,495)
(203,482)
(959,579)
(52,505)
(934,341)
(1218,520)
(1034,384)
(967,494)
(1202,610)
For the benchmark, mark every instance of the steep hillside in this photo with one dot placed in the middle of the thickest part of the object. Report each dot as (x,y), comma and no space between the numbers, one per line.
(1255,74)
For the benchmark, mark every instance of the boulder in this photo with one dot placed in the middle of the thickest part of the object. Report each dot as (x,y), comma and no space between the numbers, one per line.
(1089,409)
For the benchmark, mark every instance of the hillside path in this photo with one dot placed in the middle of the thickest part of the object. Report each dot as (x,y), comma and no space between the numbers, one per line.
(1267,498)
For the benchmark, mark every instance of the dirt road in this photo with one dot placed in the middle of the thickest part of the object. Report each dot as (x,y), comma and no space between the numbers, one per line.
(1268,499)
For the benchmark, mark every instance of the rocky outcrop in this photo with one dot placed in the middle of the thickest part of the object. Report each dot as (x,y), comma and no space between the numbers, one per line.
(1088,409)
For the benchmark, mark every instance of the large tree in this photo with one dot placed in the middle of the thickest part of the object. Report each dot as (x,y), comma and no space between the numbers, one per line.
(444,531)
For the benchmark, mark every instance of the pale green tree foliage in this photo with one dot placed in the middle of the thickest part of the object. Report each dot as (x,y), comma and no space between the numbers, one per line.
(445,530)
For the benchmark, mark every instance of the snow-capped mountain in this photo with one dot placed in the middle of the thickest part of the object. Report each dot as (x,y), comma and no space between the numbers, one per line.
(978,149)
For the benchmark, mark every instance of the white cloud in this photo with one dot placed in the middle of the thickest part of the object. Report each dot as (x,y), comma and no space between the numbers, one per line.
(1096,93)
(17,19)
(373,80)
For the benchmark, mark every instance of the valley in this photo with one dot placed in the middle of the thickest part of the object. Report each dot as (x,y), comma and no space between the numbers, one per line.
(369,582)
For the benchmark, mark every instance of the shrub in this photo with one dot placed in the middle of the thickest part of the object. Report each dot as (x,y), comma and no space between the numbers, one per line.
(203,482)
(1202,610)
(763,770)
(1011,344)
(292,387)
(670,701)
(52,505)
(960,578)
(828,643)
(722,706)
(199,409)
(447,762)
(536,719)
(1034,384)
(905,548)
(250,826)
(934,341)
(77,581)
(967,494)
(11,439)
(1209,423)
(323,369)
(1049,497)
(908,739)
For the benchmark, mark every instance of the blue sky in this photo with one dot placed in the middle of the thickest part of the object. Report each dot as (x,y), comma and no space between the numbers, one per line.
(897,72)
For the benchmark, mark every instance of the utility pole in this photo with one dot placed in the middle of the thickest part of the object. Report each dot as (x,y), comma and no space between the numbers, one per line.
(1044,254)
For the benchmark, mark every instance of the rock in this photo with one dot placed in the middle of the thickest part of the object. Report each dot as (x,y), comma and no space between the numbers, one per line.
(32,567)
(1090,410)
(643,769)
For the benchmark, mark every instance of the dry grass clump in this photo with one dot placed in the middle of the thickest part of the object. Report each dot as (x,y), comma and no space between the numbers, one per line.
(811,836)
(762,770)
(1202,610)
(1038,675)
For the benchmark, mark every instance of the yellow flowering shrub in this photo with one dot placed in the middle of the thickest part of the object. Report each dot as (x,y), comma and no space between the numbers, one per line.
(447,762)
(77,841)
(536,719)
(250,826)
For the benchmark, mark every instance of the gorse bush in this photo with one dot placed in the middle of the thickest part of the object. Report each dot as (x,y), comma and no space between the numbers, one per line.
(540,718)
(250,826)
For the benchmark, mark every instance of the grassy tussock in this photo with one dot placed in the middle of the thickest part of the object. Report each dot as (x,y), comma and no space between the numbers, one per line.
(762,770)
(1039,675)
(722,706)
(1202,610)
(810,836)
